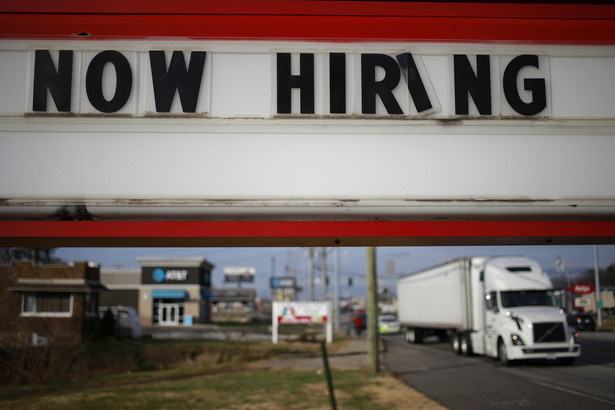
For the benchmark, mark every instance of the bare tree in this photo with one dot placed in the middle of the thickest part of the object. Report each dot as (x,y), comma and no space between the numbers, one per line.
(38,255)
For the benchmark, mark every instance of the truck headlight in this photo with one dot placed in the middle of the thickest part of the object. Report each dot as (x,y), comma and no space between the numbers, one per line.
(516,340)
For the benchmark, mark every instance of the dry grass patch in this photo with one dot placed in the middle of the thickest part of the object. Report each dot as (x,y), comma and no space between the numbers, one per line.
(389,392)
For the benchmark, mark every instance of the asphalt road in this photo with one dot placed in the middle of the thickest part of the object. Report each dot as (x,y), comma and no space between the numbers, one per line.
(460,382)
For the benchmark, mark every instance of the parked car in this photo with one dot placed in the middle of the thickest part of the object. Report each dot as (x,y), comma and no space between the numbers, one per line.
(388,324)
(126,320)
(581,321)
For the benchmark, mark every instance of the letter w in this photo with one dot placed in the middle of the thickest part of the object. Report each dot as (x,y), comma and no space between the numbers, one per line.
(186,82)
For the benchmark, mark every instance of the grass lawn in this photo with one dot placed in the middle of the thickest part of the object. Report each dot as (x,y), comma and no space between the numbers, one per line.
(218,375)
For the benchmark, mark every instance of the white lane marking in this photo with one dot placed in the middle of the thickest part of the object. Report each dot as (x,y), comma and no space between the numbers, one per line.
(576,393)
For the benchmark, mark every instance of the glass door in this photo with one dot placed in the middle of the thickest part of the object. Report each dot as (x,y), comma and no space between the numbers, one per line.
(168,314)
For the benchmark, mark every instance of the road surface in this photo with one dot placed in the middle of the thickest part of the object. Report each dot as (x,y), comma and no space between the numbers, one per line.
(460,382)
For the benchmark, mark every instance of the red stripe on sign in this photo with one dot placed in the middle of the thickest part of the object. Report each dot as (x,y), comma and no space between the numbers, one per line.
(545,9)
(313,20)
(303,229)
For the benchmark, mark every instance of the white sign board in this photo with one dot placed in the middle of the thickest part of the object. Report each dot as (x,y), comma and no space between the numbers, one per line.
(239,274)
(308,313)
(218,128)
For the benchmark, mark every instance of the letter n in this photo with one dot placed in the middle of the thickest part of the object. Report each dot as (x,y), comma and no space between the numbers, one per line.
(467,83)
(58,82)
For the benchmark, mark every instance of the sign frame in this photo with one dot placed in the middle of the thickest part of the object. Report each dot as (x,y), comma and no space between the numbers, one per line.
(26,220)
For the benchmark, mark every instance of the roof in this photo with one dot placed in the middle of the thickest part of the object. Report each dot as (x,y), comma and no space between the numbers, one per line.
(515,273)
(57,285)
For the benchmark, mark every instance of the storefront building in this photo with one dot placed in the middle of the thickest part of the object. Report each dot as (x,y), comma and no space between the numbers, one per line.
(165,291)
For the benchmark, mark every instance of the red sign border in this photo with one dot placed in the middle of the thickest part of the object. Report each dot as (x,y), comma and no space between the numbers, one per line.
(311,20)
(303,233)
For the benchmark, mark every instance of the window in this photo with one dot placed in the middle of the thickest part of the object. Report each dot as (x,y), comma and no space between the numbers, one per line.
(529,298)
(57,304)
(492,301)
(90,301)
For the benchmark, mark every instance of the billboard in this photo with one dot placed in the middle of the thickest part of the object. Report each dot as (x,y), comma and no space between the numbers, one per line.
(239,274)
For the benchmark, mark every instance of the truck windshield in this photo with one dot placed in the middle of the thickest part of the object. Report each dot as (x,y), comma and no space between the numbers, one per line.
(528,298)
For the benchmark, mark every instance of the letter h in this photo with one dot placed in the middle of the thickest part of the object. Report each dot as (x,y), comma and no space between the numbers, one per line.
(304,82)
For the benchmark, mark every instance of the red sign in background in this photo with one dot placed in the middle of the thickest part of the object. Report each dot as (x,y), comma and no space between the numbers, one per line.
(581,288)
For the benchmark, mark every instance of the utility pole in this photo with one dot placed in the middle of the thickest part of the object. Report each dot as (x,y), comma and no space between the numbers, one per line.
(323,271)
(372,308)
(336,292)
(311,274)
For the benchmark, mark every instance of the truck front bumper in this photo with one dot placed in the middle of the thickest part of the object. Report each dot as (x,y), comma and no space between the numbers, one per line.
(550,351)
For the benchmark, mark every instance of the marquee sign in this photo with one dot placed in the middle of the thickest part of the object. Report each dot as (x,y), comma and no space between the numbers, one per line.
(236,116)
(108,82)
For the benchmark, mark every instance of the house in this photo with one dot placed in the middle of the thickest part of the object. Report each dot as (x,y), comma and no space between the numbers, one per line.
(48,304)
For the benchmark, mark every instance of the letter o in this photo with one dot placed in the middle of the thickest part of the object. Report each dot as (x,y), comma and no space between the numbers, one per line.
(123,85)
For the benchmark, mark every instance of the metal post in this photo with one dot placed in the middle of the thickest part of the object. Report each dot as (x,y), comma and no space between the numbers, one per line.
(372,308)
(325,360)
(597,276)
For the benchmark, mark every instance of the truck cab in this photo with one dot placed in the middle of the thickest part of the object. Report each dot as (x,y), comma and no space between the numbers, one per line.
(521,318)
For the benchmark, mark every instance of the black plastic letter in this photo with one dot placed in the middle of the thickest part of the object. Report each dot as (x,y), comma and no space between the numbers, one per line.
(59,83)
(304,82)
(476,85)
(414,81)
(370,88)
(123,85)
(186,82)
(535,85)
(337,83)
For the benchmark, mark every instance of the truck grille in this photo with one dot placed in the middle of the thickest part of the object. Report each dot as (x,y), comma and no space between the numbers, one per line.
(549,332)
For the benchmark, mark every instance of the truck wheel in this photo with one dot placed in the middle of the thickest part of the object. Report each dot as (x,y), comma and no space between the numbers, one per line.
(502,354)
(455,343)
(465,345)
(410,335)
(414,335)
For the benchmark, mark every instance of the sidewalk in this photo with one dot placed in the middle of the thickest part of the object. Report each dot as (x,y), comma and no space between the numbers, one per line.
(351,356)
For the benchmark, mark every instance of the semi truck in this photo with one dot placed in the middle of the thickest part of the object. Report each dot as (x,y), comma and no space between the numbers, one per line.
(502,307)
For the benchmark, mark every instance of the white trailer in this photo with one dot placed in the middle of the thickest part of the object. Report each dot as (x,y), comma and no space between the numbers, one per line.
(503,307)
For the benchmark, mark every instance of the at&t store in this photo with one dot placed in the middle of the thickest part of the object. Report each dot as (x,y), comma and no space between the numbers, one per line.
(165,291)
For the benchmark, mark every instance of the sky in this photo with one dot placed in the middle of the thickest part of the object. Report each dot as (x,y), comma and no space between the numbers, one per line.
(391,262)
